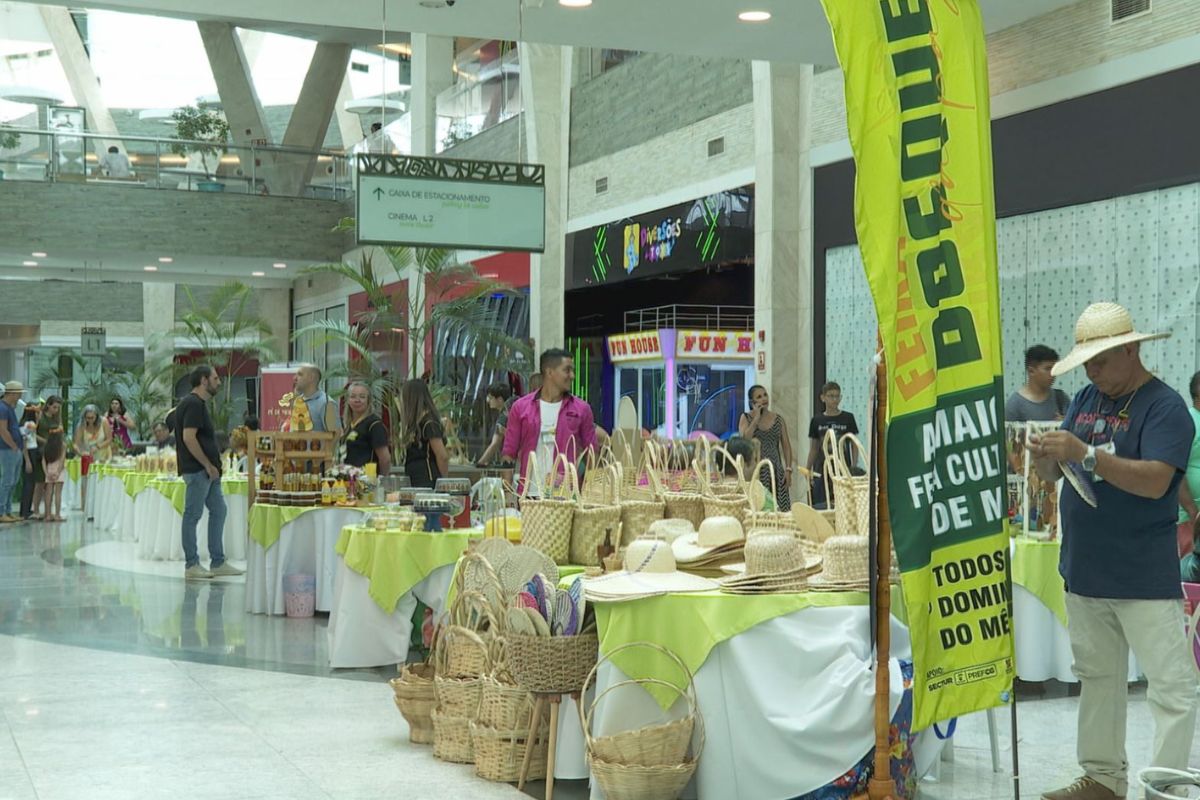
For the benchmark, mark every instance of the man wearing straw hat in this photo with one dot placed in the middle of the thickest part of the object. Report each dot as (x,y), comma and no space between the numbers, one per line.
(1123,445)
(11,448)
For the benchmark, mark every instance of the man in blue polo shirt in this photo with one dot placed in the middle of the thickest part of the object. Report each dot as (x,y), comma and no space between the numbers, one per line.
(1126,438)
(11,444)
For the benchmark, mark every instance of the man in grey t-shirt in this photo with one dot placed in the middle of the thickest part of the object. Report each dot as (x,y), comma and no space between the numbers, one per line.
(1037,400)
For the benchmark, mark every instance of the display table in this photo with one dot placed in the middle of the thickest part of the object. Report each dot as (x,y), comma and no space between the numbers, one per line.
(158,519)
(113,504)
(379,578)
(71,486)
(1043,647)
(784,682)
(286,540)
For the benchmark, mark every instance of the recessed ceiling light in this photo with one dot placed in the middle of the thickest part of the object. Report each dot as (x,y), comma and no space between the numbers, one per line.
(258,274)
(575,3)
(38,255)
(29,263)
(165,259)
(150,268)
(754,16)
(279,265)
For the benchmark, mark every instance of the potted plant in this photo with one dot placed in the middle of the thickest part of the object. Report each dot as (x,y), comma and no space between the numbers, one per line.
(9,140)
(204,133)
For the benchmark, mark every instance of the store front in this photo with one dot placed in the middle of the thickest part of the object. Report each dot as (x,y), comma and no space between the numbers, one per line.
(650,272)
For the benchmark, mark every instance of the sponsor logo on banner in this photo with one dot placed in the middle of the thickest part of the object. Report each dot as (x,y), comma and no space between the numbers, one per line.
(644,346)
(715,345)
(919,120)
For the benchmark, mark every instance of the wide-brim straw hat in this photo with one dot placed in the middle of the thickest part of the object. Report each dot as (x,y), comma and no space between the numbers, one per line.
(1101,326)
(772,557)
(670,529)
(846,565)
(14,386)
(649,570)
(715,533)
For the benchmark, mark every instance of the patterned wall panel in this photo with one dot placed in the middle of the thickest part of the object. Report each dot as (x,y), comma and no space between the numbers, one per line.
(1142,251)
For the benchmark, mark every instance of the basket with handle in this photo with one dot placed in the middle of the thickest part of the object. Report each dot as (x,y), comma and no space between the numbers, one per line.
(598,479)
(458,695)
(829,468)
(727,505)
(498,753)
(638,513)
(592,521)
(677,466)
(644,483)
(475,574)
(775,521)
(685,505)
(452,738)
(552,664)
(461,655)
(622,450)
(546,521)
(415,697)
(852,507)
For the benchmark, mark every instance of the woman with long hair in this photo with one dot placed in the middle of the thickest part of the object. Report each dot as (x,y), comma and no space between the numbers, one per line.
(54,456)
(421,435)
(31,487)
(120,423)
(92,443)
(761,423)
(50,422)
(363,433)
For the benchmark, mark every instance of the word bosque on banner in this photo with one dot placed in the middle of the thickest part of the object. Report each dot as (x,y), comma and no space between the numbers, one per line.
(919,119)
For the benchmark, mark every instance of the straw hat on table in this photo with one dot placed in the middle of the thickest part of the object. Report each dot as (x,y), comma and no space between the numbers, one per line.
(775,562)
(1101,326)
(845,565)
(650,570)
(716,535)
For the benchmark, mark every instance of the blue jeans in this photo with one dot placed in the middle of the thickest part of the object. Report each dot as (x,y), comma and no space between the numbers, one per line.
(203,492)
(11,466)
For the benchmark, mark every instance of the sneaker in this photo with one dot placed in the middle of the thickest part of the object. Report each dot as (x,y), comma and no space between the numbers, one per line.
(226,569)
(1083,789)
(7,518)
(196,572)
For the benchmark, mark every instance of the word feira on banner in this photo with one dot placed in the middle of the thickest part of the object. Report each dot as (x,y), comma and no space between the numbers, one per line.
(919,123)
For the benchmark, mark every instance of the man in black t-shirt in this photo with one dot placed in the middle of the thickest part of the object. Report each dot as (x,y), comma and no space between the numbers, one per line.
(832,418)
(199,460)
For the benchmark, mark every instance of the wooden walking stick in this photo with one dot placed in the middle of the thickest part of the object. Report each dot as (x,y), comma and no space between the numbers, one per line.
(881,785)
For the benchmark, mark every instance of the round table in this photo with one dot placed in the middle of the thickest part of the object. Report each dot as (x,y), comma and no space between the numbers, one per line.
(379,578)
(113,505)
(158,520)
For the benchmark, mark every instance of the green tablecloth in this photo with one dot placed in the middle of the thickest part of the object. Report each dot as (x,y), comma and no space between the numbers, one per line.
(691,625)
(266,521)
(104,470)
(175,490)
(136,482)
(1035,568)
(394,561)
(73,469)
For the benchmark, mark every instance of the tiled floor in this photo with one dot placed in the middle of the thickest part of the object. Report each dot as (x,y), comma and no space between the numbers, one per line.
(123,685)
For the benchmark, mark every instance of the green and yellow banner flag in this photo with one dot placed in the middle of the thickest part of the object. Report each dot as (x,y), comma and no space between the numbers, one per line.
(919,118)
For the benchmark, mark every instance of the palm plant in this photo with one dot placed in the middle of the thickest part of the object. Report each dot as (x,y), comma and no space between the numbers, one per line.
(147,392)
(455,296)
(229,335)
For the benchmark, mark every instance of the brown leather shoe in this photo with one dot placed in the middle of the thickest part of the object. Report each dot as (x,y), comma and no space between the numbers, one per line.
(1083,789)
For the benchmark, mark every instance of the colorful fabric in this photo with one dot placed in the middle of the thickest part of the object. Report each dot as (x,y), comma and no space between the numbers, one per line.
(394,562)
(266,521)
(73,469)
(1035,569)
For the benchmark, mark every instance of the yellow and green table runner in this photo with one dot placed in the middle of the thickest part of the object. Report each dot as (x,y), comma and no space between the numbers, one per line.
(175,490)
(395,561)
(1035,568)
(266,520)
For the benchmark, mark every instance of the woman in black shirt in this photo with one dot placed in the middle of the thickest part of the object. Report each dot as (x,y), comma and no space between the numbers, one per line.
(425,456)
(364,437)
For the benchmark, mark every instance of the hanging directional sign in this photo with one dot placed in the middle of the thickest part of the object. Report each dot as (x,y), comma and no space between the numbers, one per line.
(93,341)
(446,202)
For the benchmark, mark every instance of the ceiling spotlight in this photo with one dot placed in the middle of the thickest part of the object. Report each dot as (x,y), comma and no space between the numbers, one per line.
(165,259)
(754,16)
(150,268)
(29,263)
(575,3)
(279,265)
(38,255)
(258,274)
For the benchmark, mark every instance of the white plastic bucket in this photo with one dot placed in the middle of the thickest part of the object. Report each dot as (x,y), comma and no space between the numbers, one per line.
(300,595)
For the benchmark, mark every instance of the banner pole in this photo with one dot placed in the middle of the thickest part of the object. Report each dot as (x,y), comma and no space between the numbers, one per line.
(881,785)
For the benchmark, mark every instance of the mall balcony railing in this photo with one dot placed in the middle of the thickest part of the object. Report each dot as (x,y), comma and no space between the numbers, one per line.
(685,317)
(158,163)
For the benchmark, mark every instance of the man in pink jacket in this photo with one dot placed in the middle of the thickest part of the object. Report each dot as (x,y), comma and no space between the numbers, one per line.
(549,421)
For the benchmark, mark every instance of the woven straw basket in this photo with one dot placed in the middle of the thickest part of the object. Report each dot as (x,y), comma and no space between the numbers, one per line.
(852,494)
(500,753)
(552,664)
(415,697)
(591,522)
(452,739)
(458,693)
(546,522)
(504,706)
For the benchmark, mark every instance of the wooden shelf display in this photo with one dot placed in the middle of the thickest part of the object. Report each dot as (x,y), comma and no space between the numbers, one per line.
(277,458)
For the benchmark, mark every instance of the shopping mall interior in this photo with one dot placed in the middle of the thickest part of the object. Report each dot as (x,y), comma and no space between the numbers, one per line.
(671,191)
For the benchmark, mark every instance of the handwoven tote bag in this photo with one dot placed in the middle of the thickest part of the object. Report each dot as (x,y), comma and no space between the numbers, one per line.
(734,501)
(593,520)
(546,521)
(852,493)
(598,484)
(640,510)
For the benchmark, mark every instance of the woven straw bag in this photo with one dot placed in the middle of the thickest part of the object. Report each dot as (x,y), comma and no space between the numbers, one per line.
(416,698)
(775,521)
(552,664)
(726,505)
(593,521)
(546,521)
(452,738)
(638,513)
(499,754)
(459,695)
(598,480)
(852,505)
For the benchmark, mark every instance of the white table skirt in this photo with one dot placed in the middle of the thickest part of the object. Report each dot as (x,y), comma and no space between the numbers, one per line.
(159,528)
(788,707)
(113,507)
(71,495)
(1042,643)
(361,635)
(306,546)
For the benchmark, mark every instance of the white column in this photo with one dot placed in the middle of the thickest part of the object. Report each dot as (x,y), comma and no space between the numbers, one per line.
(546,99)
(80,74)
(231,72)
(312,114)
(783,303)
(158,321)
(432,72)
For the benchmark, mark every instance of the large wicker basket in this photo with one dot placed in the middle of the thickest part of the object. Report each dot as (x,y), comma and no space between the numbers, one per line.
(500,753)
(546,522)
(552,664)
(416,698)
(632,782)
(452,738)
(594,520)
(503,706)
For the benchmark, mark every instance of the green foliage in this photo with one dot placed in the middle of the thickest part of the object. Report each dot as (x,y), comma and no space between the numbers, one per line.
(9,139)
(229,335)
(144,388)
(202,132)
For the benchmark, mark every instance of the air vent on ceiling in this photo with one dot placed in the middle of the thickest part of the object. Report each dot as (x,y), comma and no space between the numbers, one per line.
(358,67)
(1125,9)
(716,146)
(601,185)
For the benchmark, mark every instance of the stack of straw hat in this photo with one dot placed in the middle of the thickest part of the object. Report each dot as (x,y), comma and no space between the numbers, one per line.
(650,570)
(775,562)
(719,542)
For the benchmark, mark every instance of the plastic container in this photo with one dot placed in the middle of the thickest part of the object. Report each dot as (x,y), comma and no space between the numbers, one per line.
(300,595)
